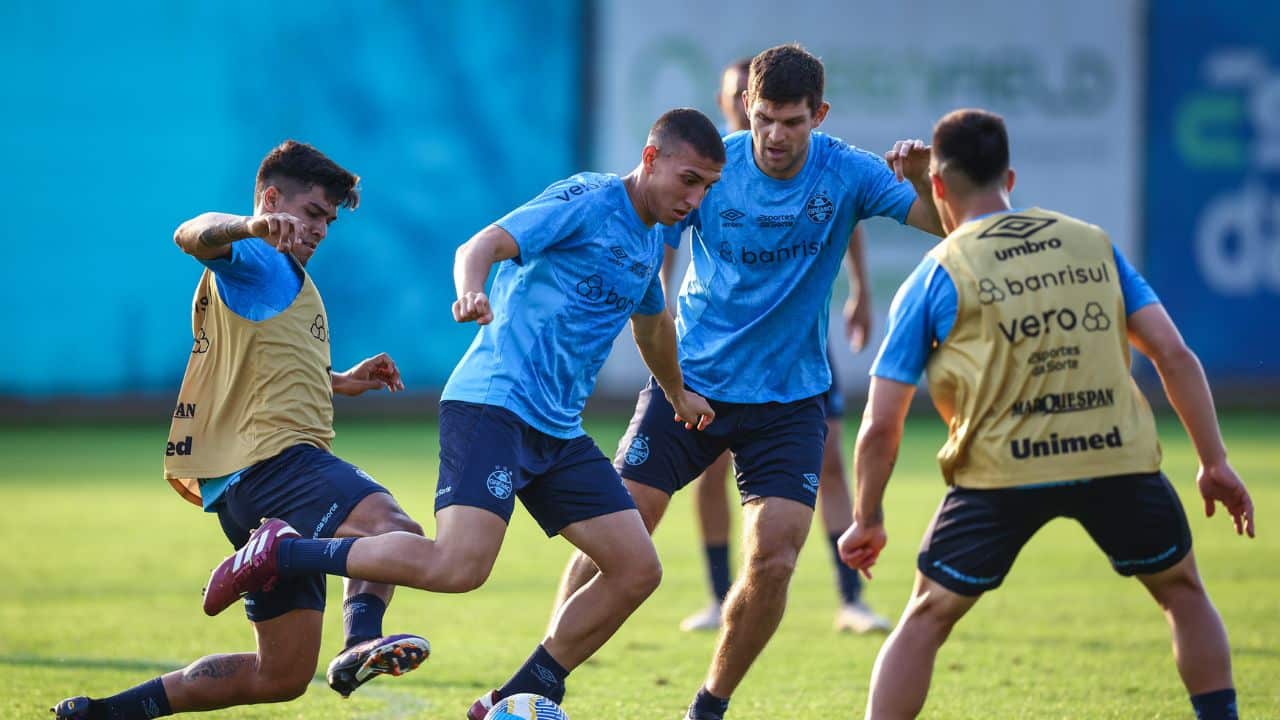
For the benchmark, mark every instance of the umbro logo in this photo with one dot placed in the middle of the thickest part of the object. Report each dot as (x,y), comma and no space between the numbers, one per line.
(731,217)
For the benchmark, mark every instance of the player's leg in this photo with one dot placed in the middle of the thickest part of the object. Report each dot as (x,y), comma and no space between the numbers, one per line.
(280,670)
(969,548)
(836,508)
(711,505)
(1139,522)
(659,454)
(904,667)
(651,503)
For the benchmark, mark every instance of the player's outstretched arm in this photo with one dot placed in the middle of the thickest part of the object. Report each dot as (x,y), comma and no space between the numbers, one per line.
(655,336)
(373,373)
(1153,333)
(857,309)
(873,460)
(210,235)
(471,265)
(909,160)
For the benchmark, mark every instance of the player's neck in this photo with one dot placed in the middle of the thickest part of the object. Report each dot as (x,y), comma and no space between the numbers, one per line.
(632,185)
(982,204)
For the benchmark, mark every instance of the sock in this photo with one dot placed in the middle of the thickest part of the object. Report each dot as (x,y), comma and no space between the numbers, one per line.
(298,556)
(707,706)
(540,674)
(362,617)
(1216,705)
(718,570)
(145,701)
(847,579)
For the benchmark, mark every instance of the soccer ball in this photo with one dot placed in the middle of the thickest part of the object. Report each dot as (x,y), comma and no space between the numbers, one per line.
(526,706)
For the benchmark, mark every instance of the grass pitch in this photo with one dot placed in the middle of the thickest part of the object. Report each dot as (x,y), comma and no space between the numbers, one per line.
(102,566)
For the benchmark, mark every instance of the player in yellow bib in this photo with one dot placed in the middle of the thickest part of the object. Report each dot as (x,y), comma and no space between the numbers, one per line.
(1023,320)
(250,438)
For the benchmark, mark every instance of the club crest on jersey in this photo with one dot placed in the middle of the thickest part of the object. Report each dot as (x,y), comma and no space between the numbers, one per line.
(638,451)
(820,208)
(499,482)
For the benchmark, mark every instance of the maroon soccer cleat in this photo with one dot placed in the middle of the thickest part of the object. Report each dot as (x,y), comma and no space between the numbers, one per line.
(252,568)
(481,707)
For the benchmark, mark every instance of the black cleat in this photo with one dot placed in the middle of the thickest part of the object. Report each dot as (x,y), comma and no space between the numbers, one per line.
(76,708)
(390,655)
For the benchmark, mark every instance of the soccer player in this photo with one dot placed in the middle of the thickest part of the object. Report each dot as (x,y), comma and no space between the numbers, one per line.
(251,435)
(1023,320)
(573,266)
(710,502)
(752,323)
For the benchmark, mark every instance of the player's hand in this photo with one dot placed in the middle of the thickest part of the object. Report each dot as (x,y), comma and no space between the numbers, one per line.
(1220,483)
(286,232)
(473,306)
(909,159)
(857,321)
(860,546)
(692,409)
(373,373)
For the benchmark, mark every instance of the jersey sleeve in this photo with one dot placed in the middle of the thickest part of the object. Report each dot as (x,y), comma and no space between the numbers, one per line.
(879,193)
(255,269)
(655,299)
(1137,293)
(555,214)
(921,316)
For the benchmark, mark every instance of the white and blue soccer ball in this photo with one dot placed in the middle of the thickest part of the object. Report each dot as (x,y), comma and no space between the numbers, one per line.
(526,706)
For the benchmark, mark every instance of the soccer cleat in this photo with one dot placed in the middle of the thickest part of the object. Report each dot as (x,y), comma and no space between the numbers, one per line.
(483,704)
(252,568)
(362,662)
(857,618)
(707,619)
(76,708)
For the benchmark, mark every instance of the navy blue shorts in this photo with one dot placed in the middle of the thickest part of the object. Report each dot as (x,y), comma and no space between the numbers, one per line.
(311,489)
(489,456)
(1137,520)
(777,447)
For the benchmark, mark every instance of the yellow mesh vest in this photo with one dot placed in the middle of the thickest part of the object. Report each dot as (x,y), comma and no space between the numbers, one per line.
(251,390)
(1033,380)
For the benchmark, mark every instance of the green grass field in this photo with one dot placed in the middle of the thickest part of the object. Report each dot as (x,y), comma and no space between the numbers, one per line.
(102,567)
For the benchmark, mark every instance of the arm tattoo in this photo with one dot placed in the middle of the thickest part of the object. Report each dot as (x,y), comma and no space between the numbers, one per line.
(224,233)
(216,667)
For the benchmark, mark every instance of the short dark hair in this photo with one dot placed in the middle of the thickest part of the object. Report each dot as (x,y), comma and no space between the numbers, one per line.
(302,166)
(787,74)
(689,126)
(973,142)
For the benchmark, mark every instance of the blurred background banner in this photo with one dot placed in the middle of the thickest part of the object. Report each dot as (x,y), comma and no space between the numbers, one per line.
(1064,73)
(124,119)
(1213,181)
(1157,121)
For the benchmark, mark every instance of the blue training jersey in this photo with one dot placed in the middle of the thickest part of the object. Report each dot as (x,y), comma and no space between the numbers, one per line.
(587,263)
(257,282)
(754,304)
(924,311)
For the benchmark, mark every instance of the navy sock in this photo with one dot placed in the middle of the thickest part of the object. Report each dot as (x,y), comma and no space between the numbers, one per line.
(145,701)
(707,706)
(718,570)
(846,577)
(1216,705)
(540,674)
(298,556)
(362,617)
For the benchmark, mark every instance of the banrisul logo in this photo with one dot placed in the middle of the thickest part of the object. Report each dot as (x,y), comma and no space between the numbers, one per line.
(820,208)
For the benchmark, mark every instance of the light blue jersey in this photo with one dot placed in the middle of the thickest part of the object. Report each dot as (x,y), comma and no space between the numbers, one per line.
(587,263)
(753,307)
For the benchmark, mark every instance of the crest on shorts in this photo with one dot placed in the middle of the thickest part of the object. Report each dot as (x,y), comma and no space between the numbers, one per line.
(499,482)
(638,451)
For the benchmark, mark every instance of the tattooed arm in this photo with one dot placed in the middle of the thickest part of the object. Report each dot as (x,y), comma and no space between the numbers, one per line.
(210,235)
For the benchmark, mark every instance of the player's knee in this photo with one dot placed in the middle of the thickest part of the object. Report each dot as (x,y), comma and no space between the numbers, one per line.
(643,577)
(933,614)
(773,566)
(283,687)
(462,577)
(1177,587)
